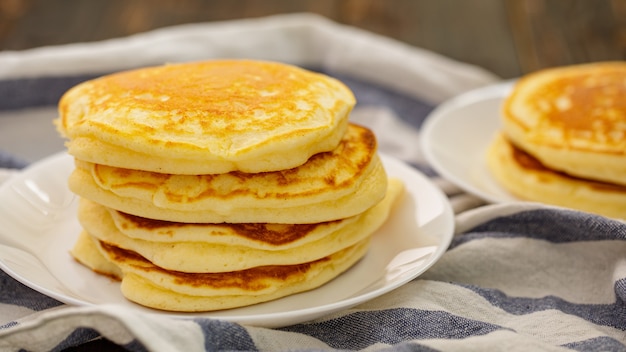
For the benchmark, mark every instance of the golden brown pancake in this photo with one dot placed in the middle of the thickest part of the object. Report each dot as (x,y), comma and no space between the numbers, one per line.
(88,254)
(205,117)
(231,247)
(572,119)
(329,186)
(220,184)
(527,178)
(151,286)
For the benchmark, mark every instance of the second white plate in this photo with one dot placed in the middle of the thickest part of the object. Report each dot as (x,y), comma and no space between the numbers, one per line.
(456,135)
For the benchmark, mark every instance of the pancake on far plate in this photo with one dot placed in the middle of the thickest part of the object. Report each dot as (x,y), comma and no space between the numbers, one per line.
(205,117)
(563,138)
(525,177)
(329,186)
(572,119)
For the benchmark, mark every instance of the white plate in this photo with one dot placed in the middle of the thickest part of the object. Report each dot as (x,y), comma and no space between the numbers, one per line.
(455,137)
(38,227)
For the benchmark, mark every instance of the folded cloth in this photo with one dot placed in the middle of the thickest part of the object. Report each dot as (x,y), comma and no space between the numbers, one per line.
(517,276)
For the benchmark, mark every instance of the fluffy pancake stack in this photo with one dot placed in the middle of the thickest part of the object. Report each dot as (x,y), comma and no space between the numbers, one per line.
(220,184)
(563,138)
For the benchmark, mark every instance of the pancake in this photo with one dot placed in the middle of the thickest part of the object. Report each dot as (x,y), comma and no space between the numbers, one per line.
(88,254)
(329,186)
(151,286)
(527,178)
(572,119)
(205,117)
(220,248)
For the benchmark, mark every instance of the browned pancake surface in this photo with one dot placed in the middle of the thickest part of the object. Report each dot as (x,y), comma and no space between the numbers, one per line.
(331,185)
(531,164)
(249,280)
(572,119)
(275,234)
(205,117)
(583,103)
(529,179)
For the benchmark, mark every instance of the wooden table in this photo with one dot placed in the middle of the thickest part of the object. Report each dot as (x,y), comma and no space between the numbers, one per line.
(507,37)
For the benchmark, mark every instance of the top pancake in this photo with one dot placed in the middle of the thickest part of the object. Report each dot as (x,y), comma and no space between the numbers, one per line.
(205,117)
(572,119)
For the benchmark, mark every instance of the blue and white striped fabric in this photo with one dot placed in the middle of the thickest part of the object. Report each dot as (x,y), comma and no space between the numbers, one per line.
(517,276)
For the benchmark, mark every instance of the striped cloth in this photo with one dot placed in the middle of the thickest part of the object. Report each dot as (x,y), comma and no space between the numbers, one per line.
(517,276)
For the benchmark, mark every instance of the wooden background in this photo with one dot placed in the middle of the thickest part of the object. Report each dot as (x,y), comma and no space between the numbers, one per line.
(507,37)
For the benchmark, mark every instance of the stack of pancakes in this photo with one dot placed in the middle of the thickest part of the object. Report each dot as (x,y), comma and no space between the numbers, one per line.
(220,184)
(563,138)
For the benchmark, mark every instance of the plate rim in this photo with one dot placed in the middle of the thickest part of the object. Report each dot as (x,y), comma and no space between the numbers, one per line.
(497,91)
(279,318)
